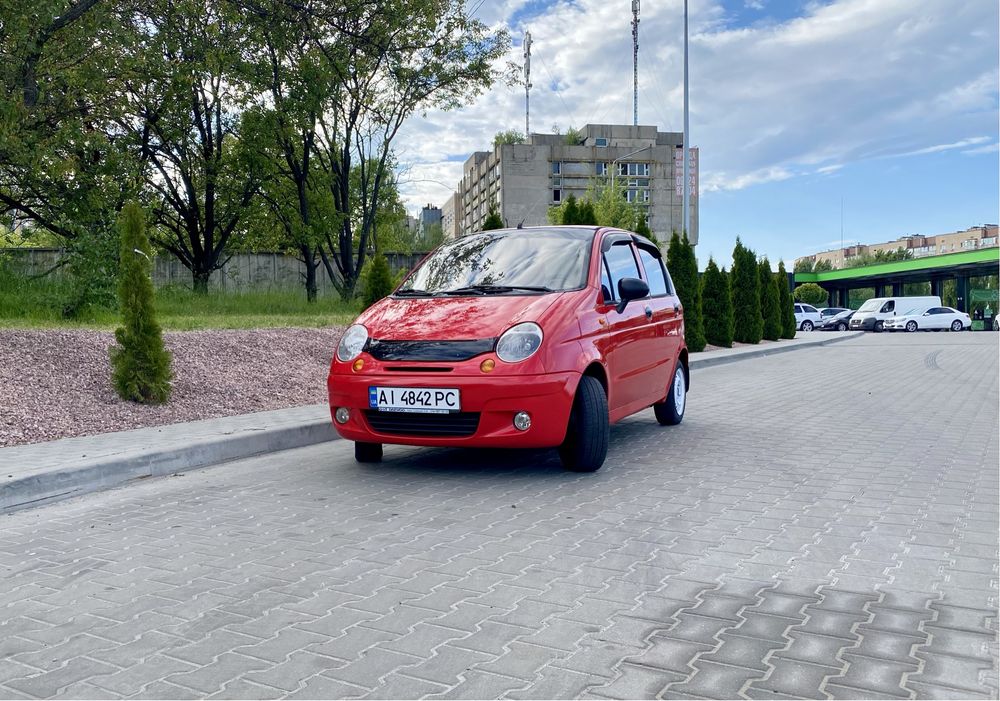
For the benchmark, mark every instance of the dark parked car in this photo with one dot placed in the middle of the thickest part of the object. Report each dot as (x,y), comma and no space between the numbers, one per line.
(838,322)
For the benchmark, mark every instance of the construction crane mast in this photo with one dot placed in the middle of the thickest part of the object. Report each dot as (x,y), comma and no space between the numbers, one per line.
(635,63)
(527,84)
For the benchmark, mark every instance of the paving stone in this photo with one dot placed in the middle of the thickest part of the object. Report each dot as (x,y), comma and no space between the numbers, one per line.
(53,681)
(638,682)
(794,678)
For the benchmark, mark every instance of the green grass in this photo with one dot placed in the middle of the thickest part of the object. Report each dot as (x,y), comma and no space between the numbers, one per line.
(26,303)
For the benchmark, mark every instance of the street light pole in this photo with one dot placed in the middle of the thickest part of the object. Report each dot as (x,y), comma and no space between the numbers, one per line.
(686,136)
(622,158)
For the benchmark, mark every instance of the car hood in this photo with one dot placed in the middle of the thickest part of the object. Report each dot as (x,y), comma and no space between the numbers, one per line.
(451,318)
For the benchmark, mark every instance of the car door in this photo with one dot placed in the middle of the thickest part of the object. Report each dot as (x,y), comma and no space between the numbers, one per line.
(666,319)
(938,318)
(630,333)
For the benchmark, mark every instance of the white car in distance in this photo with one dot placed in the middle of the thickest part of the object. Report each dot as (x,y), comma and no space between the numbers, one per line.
(807,317)
(932,319)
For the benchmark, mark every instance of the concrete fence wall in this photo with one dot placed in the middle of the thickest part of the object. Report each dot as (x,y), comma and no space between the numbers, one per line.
(244,272)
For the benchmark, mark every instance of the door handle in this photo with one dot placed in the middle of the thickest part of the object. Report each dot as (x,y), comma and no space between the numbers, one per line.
(649,312)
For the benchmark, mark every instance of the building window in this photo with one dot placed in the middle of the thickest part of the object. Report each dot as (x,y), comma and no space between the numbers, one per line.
(637,195)
(601,168)
(600,141)
(556,195)
(641,169)
(557,181)
(556,167)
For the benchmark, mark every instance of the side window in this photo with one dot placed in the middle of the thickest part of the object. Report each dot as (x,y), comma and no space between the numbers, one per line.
(809,310)
(888,307)
(606,292)
(798,309)
(655,276)
(621,264)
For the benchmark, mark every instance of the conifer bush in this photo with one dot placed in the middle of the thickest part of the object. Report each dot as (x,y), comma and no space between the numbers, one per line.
(717,306)
(748,323)
(788,325)
(769,308)
(377,280)
(683,267)
(140,362)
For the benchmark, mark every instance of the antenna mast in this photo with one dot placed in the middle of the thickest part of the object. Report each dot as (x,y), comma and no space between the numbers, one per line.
(635,63)
(527,84)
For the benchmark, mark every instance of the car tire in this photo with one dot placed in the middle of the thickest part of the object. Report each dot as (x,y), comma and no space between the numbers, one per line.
(807,325)
(956,325)
(842,326)
(879,327)
(911,326)
(586,443)
(367,452)
(670,411)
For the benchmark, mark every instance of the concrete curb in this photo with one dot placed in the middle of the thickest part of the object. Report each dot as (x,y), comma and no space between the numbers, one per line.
(38,474)
(705,360)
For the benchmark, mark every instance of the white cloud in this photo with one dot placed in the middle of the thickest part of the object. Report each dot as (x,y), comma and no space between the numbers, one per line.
(849,80)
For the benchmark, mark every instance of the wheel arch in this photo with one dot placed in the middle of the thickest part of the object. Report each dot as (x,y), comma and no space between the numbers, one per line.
(597,371)
(683,360)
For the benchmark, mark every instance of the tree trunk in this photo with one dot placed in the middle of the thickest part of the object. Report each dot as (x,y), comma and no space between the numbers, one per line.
(200,278)
(311,263)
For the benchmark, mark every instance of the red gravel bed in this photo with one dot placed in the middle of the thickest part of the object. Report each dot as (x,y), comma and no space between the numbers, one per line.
(56,384)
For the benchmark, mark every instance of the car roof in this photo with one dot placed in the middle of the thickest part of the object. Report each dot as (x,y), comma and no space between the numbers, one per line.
(582,233)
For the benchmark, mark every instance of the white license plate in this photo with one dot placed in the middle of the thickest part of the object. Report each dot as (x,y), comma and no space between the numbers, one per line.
(414,399)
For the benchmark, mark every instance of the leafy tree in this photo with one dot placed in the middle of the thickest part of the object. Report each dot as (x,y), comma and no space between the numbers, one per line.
(493,220)
(642,228)
(378,280)
(787,310)
(717,306)
(810,293)
(769,301)
(748,323)
(879,257)
(433,237)
(573,136)
(804,265)
(510,136)
(140,363)
(822,266)
(683,267)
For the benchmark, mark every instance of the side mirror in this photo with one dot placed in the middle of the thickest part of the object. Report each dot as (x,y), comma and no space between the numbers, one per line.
(630,288)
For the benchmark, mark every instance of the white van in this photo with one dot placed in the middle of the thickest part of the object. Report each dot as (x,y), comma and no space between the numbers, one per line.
(872,314)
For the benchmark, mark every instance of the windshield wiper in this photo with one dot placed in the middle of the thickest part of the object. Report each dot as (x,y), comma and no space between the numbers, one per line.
(494,289)
(413,293)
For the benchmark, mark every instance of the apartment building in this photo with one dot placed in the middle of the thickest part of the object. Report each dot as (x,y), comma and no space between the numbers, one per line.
(975,237)
(524,180)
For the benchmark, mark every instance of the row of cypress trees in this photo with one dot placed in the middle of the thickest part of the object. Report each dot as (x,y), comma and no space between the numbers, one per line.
(746,305)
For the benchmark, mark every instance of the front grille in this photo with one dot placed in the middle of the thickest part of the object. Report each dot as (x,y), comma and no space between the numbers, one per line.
(418,368)
(428,351)
(463,423)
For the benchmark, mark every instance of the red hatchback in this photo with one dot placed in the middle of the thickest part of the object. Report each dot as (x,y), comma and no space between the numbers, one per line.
(516,338)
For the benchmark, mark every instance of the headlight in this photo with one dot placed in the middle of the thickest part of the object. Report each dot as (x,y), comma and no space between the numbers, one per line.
(351,343)
(519,342)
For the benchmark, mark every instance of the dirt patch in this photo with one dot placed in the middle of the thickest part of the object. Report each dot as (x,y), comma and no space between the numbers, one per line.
(56,384)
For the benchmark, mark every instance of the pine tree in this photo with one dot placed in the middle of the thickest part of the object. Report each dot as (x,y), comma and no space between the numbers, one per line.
(717,306)
(493,220)
(769,308)
(785,303)
(748,324)
(140,362)
(570,212)
(586,213)
(683,267)
(377,280)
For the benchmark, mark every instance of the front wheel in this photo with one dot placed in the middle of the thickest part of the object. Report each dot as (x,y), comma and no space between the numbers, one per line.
(879,326)
(911,326)
(586,444)
(842,326)
(367,452)
(807,325)
(670,411)
(956,325)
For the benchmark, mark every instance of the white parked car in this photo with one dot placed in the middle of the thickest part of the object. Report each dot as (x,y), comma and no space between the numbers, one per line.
(933,319)
(807,317)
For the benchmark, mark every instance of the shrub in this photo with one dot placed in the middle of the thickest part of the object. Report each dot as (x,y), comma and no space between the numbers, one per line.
(748,323)
(788,324)
(140,363)
(810,293)
(493,220)
(683,267)
(769,308)
(717,306)
(377,280)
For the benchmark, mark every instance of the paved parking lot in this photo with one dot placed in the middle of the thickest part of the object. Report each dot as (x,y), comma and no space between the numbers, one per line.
(822,525)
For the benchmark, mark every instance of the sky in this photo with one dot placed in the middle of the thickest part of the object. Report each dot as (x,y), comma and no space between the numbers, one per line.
(817,122)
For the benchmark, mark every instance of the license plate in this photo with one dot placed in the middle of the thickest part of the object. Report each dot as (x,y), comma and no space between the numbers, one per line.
(414,399)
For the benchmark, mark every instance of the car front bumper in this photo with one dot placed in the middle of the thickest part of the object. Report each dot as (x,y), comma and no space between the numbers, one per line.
(495,399)
(863,324)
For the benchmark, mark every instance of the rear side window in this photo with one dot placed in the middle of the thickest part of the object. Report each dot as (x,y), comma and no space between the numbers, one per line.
(655,276)
(798,309)
(621,264)
(809,310)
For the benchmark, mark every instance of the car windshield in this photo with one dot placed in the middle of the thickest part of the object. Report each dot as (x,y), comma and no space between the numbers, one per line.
(521,261)
(870,305)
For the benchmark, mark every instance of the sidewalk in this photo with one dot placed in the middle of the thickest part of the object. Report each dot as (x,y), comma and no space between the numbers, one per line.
(43,472)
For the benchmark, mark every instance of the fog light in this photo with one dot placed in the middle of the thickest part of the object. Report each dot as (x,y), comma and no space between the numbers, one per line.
(358,364)
(342,415)
(522,421)
(488,365)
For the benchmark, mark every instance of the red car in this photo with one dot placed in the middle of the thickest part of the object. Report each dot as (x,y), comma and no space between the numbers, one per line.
(516,338)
